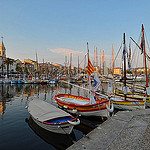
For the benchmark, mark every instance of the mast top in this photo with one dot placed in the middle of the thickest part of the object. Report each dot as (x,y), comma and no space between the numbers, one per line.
(2,38)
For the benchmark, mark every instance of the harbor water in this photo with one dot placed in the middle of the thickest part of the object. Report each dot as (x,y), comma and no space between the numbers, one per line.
(17,129)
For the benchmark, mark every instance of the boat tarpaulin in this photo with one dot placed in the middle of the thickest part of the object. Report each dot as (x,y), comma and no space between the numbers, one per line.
(43,111)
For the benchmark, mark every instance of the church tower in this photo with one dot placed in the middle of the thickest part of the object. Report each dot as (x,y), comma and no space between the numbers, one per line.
(2,50)
(2,58)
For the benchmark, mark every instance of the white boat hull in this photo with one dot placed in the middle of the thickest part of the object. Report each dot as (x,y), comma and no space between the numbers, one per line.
(129,107)
(62,129)
(102,113)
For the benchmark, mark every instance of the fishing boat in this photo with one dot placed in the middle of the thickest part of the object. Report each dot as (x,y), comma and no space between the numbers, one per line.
(37,81)
(123,101)
(20,81)
(28,81)
(51,118)
(128,104)
(43,82)
(14,81)
(52,81)
(138,95)
(146,58)
(82,105)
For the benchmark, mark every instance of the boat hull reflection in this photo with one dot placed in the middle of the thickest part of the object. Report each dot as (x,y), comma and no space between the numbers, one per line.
(59,141)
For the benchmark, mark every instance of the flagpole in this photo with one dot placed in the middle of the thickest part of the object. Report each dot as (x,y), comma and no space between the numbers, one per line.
(89,76)
(124,53)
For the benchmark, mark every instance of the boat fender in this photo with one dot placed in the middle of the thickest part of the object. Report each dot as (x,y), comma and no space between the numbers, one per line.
(110,109)
(74,110)
(74,123)
(65,107)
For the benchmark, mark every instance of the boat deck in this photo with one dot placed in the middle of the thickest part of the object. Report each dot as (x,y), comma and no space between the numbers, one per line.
(74,101)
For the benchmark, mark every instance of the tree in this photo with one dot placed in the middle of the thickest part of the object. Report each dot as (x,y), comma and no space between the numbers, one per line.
(8,62)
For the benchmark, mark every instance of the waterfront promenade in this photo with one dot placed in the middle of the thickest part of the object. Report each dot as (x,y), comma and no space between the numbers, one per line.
(126,130)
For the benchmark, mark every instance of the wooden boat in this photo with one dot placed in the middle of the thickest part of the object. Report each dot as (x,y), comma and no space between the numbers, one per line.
(52,81)
(37,81)
(128,104)
(135,95)
(82,106)
(51,118)
(20,82)
(146,56)
(43,82)
(123,102)
(28,81)
(14,81)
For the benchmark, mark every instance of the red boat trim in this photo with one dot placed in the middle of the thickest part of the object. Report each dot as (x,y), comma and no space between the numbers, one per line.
(73,119)
(59,95)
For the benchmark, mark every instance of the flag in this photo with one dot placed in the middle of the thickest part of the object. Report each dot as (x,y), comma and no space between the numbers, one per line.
(97,82)
(90,68)
(92,99)
(129,57)
(130,52)
(124,52)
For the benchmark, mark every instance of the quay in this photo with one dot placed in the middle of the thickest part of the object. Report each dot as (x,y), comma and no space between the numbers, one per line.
(125,130)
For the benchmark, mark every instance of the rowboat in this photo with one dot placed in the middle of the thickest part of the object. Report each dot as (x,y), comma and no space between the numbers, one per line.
(86,106)
(51,118)
(52,81)
(20,81)
(28,81)
(128,104)
(135,95)
(83,106)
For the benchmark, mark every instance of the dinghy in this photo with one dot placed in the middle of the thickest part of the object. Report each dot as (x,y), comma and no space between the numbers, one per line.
(86,106)
(51,118)
(83,106)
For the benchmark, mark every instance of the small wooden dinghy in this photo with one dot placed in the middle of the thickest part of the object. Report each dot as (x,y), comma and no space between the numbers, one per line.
(82,106)
(51,118)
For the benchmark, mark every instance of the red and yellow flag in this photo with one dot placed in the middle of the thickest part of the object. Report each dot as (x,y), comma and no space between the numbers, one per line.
(90,68)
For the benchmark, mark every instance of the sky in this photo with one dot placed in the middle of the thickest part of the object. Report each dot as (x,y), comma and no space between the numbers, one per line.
(56,28)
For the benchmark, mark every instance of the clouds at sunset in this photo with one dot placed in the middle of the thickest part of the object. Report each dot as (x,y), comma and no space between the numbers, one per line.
(65,51)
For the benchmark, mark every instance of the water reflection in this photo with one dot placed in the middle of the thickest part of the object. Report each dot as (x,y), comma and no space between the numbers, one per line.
(26,91)
(14,98)
(59,141)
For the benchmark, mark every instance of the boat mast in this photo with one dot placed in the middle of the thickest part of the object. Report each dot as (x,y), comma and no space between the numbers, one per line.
(89,76)
(78,66)
(96,60)
(144,55)
(112,61)
(94,56)
(100,62)
(70,64)
(103,62)
(124,53)
(65,65)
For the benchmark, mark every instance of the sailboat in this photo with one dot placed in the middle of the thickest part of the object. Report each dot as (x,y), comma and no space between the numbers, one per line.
(85,106)
(145,92)
(124,102)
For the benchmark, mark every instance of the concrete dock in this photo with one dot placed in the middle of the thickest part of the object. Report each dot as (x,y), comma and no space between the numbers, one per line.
(126,130)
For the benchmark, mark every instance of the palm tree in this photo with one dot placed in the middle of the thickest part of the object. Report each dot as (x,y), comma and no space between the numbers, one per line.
(8,62)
